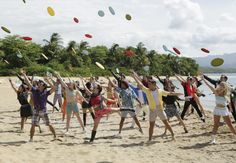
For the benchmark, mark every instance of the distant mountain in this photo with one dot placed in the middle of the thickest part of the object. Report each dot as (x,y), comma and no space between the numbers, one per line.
(229,60)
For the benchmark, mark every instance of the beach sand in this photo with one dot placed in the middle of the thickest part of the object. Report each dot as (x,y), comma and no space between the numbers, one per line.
(132,147)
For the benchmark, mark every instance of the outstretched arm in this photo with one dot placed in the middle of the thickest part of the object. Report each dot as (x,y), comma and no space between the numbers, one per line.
(212,88)
(86,89)
(160,80)
(61,81)
(137,79)
(180,79)
(13,87)
(51,85)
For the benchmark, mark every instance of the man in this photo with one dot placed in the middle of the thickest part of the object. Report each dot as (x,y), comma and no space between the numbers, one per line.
(40,95)
(154,96)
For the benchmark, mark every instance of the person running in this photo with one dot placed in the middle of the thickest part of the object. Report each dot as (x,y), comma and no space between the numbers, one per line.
(71,105)
(189,92)
(154,96)
(100,108)
(40,95)
(22,96)
(220,109)
(127,107)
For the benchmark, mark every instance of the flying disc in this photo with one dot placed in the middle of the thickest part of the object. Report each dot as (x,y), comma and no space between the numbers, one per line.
(6,61)
(100,65)
(24,1)
(51,12)
(165,48)
(27,38)
(88,35)
(117,70)
(44,56)
(73,50)
(76,20)
(176,51)
(85,52)
(146,68)
(5,29)
(128,17)
(205,50)
(101,13)
(19,55)
(111,10)
(129,53)
(217,62)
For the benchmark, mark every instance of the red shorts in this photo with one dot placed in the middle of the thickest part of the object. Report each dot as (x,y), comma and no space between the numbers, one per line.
(100,113)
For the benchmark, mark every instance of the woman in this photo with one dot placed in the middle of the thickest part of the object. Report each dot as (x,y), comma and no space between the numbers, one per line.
(71,105)
(25,109)
(220,109)
(100,108)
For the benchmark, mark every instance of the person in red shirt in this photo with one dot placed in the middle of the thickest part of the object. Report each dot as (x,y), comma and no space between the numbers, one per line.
(189,92)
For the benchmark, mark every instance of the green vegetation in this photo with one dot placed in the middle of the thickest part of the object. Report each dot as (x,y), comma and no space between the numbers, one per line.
(79,58)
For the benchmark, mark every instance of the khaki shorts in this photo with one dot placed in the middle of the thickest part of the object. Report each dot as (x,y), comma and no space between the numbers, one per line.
(157,112)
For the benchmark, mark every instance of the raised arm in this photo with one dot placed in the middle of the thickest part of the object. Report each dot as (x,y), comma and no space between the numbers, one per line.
(61,80)
(212,88)
(26,79)
(12,85)
(178,78)
(212,81)
(86,89)
(112,84)
(50,84)
(137,79)
(160,80)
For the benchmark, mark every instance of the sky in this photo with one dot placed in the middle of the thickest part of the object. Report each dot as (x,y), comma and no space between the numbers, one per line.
(188,25)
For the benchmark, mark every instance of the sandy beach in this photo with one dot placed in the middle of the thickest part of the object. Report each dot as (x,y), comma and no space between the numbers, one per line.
(132,147)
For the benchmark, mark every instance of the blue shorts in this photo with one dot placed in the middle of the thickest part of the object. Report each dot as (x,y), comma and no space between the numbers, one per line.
(72,107)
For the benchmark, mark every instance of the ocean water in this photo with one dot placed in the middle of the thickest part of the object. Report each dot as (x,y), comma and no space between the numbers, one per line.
(208,101)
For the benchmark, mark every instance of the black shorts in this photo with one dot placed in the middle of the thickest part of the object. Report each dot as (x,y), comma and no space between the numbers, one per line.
(85,105)
(25,111)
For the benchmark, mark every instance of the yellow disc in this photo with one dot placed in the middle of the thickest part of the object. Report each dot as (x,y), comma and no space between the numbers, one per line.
(217,62)
(51,12)
(100,65)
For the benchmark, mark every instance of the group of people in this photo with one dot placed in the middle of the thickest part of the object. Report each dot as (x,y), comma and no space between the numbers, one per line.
(124,98)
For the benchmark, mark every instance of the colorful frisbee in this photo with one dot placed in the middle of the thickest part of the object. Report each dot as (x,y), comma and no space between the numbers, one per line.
(6,62)
(76,20)
(101,13)
(85,52)
(51,12)
(5,29)
(129,53)
(165,48)
(117,70)
(176,51)
(217,62)
(205,50)
(73,50)
(44,56)
(100,65)
(128,17)
(88,36)
(27,38)
(19,55)
(111,10)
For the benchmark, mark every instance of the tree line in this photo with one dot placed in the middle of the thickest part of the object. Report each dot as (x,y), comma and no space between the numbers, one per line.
(79,58)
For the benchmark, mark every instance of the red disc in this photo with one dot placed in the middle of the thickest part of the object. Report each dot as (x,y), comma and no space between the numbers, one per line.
(129,53)
(76,20)
(27,38)
(176,51)
(88,36)
(205,50)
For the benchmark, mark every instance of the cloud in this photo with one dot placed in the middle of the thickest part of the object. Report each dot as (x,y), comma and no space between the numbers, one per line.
(227,17)
(183,12)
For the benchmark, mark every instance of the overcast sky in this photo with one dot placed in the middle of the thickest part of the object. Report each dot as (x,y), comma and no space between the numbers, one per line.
(188,25)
